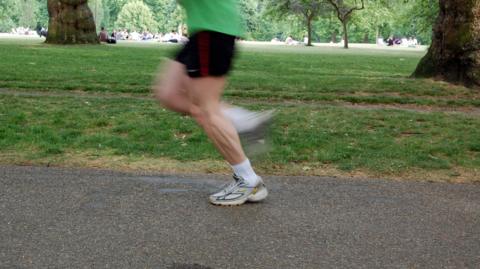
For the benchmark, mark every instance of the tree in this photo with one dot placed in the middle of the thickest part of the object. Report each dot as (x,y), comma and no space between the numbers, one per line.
(136,16)
(98,11)
(415,18)
(251,14)
(41,13)
(167,14)
(71,22)
(309,10)
(328,27)
(7,13)
(262,21)
(378,15)
(113,8)
(455,51)
(344,11)
(27,17)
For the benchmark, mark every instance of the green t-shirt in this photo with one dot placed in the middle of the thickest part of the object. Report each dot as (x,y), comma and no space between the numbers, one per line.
(213,15)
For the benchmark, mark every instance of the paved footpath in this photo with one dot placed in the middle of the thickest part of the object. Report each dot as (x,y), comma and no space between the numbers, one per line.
(73,218)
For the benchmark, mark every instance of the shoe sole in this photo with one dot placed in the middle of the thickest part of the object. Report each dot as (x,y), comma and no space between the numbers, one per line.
(230,203)
(259,196)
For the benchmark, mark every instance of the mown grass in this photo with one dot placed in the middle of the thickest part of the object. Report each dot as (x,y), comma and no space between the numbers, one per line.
(305,138)
(265,73)
(384,141)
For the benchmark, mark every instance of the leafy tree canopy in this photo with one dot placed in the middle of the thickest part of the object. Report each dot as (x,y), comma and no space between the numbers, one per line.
(263,19)
(136,16)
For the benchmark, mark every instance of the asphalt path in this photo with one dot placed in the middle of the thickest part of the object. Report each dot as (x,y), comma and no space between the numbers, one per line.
(76,218)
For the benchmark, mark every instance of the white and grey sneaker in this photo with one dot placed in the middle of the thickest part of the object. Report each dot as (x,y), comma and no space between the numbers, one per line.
(238,192)
(260,195)
(252,127)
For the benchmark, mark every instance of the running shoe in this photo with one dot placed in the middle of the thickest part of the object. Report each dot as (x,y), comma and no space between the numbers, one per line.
(253,131)
(257,197)
(238,192)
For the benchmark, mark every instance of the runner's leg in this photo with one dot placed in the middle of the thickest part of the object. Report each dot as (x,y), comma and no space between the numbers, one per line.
(205,94)
(170,87)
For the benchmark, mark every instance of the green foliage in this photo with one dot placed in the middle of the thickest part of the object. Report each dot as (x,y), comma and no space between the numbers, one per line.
(251,14)
(99,12)
(417,19)
(113,8)
(41,13)
(384,18)
(8,13)
(264,19)
(27,17)
(301,8)
(305,10)
(377,16)
(380,18)
(344,10)
(167,14)
(327,27)
(262,24)
(22,13)
(136,16)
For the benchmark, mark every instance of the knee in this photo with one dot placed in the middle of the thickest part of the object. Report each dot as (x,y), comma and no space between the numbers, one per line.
(162,94)
(203,116)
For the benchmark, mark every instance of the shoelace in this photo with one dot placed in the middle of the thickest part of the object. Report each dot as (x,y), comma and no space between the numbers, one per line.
(229,186)
(238,183)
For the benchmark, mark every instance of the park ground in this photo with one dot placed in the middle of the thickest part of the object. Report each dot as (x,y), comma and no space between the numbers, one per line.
(83,218)
(348,113)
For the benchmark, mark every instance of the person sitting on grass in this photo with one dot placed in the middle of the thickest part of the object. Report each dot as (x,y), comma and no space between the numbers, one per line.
(390,41)
(103,36)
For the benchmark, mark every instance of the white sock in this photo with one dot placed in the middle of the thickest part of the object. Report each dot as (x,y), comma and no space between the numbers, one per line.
(245,171)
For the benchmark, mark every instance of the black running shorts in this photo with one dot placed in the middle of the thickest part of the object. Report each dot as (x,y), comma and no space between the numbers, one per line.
(207,54)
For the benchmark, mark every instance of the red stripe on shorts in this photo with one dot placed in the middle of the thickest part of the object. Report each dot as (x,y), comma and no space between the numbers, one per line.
(204,53)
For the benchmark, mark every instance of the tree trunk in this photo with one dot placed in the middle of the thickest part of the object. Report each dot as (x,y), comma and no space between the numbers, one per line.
(309,25)
(454,55)
(365,38)
(334,37)
(345,34)
(71,22)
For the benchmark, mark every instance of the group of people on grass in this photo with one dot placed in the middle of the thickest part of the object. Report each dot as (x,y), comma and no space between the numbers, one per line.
(22,31)
(289,41)
(172,37)
(410,42)
(406,42)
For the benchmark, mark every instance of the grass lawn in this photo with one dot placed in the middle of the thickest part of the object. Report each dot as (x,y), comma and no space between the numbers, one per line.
(344,113)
